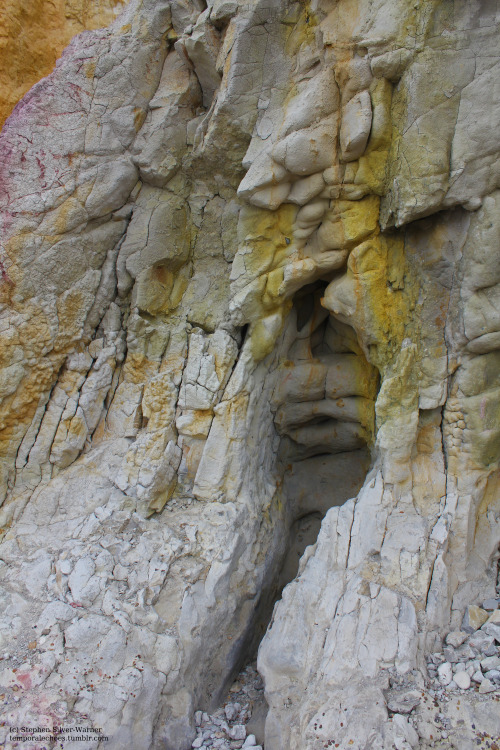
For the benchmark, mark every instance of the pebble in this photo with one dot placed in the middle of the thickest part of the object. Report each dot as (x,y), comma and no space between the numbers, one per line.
(465,652)
(473,619)
(493,630)
(486,686)
(250,741)
(494,618)
(232,710)
(490,604)
(456,638)
(426,730)
(491,662)
(445,673)
(478,676)
(462,680)
(238,732)
(480,641)
(493,674)
(403,702)
(450,655)
(492,650)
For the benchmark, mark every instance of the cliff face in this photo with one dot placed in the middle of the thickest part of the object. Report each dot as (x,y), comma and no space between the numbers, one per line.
(33,34)
(250,303)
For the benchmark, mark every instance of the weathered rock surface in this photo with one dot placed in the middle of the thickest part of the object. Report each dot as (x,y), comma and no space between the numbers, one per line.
(250,354)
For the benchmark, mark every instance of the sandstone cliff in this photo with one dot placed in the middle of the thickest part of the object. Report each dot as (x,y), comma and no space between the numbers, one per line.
(250,313)
(34,33)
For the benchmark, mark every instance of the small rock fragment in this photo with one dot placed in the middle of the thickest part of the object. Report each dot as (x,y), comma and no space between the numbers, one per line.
(402,702)
(404,733)
(493,630)
(491,662)
(450,655)
(473,619)
(456,638)
(238,732)
(426,730)
(445,673)
(462,680)
(486,686)
(493,674)
(481,642)
(232,710)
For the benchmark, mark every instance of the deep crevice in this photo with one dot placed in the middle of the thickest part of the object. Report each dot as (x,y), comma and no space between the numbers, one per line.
(325,369)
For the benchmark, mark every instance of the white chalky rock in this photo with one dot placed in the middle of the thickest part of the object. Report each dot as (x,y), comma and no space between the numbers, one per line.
(456,638)
(238,732)
(462,680)
(308,151)
(487,686)
(445,674)
(404,734)
(355,127)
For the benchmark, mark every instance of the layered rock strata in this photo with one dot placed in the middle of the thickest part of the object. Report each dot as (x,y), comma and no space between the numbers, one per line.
(249,290)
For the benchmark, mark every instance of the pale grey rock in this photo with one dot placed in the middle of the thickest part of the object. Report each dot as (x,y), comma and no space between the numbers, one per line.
(491,662)
(317,97)
(238,732)
(404,734)
(493,675)
(492,630)
(391,65)
(403,701)
(456,638)
(307,151)
(355,127)
(462,680)
(445,673)
(202,47)
(486,686)
(303,191)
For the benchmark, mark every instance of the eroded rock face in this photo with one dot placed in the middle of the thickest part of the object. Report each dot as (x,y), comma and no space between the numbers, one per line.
(249,313)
